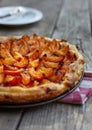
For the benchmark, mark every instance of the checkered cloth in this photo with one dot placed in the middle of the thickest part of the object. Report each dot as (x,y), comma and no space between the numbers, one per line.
(82,93)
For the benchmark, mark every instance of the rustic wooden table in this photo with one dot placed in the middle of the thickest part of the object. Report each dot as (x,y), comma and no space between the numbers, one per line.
(67,19)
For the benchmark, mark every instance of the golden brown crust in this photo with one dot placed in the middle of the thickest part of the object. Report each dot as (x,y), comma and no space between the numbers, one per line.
(35,94)
(17,94)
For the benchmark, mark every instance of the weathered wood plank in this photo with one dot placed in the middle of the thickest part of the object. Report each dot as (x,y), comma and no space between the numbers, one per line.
(90,13)
(73,18)
(73,25)
(9,118)
(87,120)
(39,118)
(53,116)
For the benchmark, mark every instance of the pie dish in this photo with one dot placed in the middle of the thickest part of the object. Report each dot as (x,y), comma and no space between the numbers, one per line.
(35,68)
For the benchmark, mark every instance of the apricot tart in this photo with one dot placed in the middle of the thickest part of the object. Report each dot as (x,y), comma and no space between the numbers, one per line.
(34,68)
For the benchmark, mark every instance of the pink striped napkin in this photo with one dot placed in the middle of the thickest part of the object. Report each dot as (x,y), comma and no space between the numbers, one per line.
(82,93)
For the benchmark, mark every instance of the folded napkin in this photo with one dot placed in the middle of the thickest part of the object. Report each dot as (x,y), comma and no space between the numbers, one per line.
(82,93)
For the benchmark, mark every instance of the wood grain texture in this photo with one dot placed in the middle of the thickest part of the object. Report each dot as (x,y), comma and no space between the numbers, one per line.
(87,120)
(53,116)
(73,21)
(9,118)
(90,13)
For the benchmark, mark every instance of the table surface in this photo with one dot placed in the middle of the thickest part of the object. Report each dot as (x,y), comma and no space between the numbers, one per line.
(63,19)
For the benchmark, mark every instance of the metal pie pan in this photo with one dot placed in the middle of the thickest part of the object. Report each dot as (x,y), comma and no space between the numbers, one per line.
(10,105)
